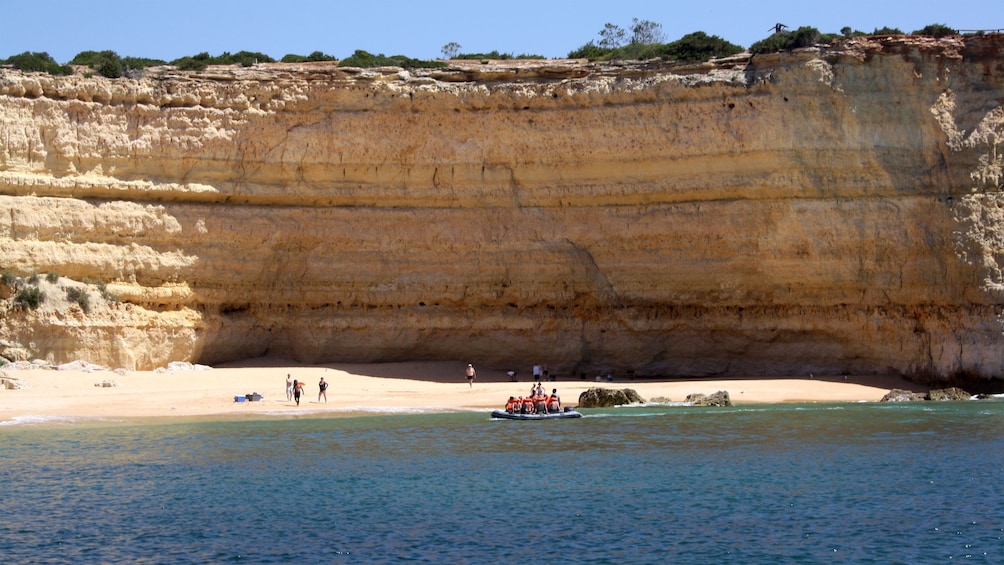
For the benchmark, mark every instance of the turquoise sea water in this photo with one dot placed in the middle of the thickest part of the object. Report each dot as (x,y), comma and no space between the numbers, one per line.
(814,483)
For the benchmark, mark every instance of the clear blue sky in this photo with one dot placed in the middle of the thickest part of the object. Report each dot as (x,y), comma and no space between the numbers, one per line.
(169,29)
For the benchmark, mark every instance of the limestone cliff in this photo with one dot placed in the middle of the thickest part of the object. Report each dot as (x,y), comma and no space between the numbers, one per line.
(831,210)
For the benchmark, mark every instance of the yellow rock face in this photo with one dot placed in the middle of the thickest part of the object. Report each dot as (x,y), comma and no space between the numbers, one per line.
(828,210)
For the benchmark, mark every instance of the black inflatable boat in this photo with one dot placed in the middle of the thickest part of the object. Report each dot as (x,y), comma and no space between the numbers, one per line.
(566,413)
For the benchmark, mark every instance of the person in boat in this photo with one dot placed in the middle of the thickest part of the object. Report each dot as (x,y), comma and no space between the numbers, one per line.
(539,403)
(554,401)
(510,406)
(527,404)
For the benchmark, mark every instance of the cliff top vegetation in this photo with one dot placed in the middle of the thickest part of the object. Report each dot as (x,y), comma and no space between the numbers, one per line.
(646,41)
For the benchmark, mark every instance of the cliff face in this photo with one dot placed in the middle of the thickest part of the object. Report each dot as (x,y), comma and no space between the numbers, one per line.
(826,211)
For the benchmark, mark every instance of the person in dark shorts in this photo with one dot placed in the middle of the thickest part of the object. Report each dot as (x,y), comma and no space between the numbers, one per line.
(323,386)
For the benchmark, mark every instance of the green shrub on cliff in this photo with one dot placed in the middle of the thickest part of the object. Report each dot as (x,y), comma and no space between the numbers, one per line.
(30,297)
(243,58)
(202,60)
(363,59)
(80,296)
(693,47)
(141,62)
(804,36)
(193,63)
(8,279)
(590,51)
(39,63)
(93,59)
(108,63)
(887,31)
(313,57)
(107,296)
(496,56)
(936,30)
(699,47)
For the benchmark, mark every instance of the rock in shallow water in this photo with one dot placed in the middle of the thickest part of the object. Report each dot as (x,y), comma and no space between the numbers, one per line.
(948,394)
(900,395)
(720,398)
(604,397)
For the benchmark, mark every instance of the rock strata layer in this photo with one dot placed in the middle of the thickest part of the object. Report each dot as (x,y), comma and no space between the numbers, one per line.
(831,210)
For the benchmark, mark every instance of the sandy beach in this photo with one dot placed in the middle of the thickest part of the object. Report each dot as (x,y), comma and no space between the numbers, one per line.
(362,389)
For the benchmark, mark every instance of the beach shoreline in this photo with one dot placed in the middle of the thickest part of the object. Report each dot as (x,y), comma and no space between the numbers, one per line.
(365,389)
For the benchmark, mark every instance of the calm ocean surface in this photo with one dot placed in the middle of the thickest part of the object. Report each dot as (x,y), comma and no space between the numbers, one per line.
(813,483)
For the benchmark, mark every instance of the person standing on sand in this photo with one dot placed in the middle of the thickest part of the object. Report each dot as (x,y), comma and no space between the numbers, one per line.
(297,391)
(471,375)
(324,391)
(289,387)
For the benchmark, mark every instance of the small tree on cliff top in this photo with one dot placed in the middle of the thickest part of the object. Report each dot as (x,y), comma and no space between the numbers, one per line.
(646,32)
(450,50)
(611,36)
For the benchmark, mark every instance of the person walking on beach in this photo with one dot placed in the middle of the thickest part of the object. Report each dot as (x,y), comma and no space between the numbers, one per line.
(297,391)
(289,387)
(471,375)
(324,391)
